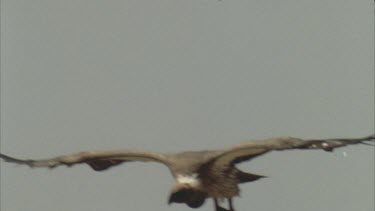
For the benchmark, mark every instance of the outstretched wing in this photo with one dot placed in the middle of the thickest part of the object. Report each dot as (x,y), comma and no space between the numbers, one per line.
(249,150)
(98,160)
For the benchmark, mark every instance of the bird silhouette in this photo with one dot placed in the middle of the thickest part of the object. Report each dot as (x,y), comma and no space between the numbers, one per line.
(199,174)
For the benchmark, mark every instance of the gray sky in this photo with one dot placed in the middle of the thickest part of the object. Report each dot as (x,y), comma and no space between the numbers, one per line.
(175,75)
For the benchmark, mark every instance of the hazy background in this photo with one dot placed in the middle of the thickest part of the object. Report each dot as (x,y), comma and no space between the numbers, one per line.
(170,75)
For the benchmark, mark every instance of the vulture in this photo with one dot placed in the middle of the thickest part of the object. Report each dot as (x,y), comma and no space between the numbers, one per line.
(199,174)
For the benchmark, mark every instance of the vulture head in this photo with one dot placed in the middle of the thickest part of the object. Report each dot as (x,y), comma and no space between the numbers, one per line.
(183,193)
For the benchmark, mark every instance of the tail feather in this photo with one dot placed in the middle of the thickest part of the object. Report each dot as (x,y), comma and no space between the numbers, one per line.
(244,177)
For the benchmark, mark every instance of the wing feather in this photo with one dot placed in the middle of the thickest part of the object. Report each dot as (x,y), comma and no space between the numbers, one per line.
(98,160)
(251,149)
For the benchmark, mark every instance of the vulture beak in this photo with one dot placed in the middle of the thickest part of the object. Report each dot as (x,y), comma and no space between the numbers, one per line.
(170,200)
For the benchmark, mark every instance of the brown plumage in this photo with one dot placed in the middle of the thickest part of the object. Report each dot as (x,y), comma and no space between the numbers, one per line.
(199,174)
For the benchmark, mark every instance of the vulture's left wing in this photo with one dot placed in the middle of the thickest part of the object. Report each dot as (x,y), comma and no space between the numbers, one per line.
(251,149)
(98,160)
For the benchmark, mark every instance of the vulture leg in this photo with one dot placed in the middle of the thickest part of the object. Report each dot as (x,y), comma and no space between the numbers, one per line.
(217,206)
(230,204)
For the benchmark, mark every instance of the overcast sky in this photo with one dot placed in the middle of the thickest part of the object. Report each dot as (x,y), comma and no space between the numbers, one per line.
(172,75)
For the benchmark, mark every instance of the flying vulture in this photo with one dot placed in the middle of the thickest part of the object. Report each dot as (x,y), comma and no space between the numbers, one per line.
(199,174)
